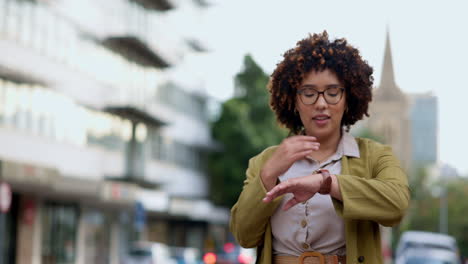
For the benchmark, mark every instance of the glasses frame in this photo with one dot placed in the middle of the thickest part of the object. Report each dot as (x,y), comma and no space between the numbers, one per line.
(301,92)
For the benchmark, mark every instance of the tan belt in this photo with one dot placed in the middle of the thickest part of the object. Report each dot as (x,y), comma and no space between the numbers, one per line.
(310,258)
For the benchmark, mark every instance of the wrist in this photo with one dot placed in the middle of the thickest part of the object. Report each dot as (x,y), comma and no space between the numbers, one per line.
(326,184)
(268,181)
(335,188)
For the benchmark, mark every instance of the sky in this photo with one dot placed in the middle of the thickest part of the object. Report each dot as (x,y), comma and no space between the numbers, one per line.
(429,41)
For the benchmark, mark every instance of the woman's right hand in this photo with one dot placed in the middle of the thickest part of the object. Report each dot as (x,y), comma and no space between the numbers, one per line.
(289,151)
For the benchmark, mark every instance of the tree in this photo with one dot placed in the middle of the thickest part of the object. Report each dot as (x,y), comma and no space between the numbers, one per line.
(245,127)
(457,208)
(425,206)
(367,133)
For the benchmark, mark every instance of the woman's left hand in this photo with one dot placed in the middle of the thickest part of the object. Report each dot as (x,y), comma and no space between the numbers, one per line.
(303,188)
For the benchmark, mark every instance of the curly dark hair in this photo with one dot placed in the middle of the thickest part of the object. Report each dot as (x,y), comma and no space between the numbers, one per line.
(316,52)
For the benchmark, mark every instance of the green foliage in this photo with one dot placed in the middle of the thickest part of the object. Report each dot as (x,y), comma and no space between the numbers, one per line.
(457,209)
(425,205)
(245,127)
(366,133)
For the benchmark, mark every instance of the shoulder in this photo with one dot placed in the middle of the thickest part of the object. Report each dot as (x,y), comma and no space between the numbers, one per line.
(266,153)
(376,154)
(262,157)
(369,146)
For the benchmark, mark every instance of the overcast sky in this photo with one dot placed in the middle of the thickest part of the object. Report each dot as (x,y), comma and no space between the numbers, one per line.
(429,42)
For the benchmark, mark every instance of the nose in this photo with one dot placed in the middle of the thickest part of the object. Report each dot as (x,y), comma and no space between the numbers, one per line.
(321,103)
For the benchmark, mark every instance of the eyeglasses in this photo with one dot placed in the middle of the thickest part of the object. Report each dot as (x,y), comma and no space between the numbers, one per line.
(332,95)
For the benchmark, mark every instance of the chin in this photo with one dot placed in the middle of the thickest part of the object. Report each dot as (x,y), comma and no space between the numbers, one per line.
(319,132)
(322,132)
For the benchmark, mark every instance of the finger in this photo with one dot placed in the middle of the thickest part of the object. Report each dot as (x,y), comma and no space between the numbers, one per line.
(290,203)
(307,145)
(304,138)
(298,148)
(278,190)
(302,154)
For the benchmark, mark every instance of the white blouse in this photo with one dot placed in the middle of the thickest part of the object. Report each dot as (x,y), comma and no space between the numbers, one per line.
(313,225)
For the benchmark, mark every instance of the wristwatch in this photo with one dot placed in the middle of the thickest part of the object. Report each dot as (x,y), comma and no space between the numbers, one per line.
(325,188)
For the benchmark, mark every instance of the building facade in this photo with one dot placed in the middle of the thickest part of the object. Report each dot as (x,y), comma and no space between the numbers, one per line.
(424,129)
(100,147)
(389,112)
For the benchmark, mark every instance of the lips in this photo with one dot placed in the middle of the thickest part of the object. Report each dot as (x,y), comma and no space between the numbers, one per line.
(321,117)
(321,120)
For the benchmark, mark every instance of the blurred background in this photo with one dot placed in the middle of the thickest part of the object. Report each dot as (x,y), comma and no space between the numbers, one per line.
(126,126)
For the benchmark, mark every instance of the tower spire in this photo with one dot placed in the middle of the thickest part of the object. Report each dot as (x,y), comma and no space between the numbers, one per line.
(388,90)
(388,77)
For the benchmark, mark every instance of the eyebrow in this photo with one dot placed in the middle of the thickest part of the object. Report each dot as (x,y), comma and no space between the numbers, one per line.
(315,86)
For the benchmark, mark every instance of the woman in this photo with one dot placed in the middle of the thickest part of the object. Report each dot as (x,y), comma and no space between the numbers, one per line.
(321,194)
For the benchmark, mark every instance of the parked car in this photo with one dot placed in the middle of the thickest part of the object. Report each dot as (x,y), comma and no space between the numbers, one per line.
(186,255)
(149,253)
(416,247)
(428,256)
(412,239)
(235,254)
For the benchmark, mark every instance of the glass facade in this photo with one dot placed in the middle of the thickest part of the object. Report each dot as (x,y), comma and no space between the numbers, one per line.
(59,233)
(40,111)
(424,126)
(97,226)
(9,221)
(182,101)
(175,152)
(43,112)
(34,26)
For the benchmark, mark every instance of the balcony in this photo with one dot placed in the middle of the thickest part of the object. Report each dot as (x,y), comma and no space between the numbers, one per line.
(135,115)
(133,49)
(159,5)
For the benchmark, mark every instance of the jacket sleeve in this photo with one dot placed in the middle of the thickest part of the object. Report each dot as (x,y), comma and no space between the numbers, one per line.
(382,197)
(250,215)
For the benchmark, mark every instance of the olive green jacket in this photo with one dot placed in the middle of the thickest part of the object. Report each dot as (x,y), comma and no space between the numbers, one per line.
(374,189)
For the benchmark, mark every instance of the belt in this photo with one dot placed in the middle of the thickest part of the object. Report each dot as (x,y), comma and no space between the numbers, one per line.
(310,258)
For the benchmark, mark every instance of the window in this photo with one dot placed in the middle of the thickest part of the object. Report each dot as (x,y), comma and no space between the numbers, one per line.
(97,236)
(3,12)
(59,232)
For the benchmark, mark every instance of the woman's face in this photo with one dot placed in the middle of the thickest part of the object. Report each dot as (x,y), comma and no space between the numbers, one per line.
(321,119)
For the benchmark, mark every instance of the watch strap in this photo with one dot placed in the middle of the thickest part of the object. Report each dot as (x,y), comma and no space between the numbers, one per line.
(325,188)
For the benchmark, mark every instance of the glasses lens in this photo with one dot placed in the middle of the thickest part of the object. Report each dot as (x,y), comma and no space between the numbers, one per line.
(333,95)
(309,96)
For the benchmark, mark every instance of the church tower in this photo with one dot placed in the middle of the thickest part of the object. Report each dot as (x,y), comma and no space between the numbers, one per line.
(389,116)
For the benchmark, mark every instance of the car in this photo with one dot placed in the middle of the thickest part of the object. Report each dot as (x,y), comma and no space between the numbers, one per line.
(186,255)
(144,252)
(232,253)
(426,255)
(416,246)
(416,239)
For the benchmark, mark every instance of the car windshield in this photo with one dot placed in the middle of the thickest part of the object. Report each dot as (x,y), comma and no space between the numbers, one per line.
(425,260)
(138,252)
(427,245)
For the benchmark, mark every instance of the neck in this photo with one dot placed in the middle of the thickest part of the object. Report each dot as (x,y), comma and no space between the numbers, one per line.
(328,145)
